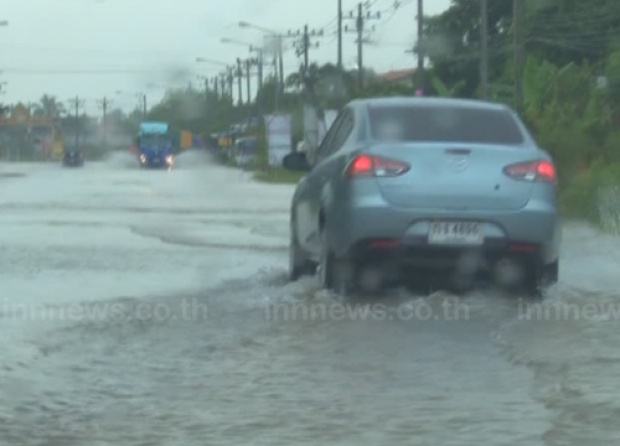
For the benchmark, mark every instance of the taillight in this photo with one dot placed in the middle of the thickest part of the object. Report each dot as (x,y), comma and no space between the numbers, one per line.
(541,170)
(375,166)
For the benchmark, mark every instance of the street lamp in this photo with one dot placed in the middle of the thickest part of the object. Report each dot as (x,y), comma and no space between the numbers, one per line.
(214,62)
(257,27)
(234,41)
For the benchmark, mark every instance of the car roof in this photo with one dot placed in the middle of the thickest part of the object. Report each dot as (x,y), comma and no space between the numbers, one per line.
(412,101)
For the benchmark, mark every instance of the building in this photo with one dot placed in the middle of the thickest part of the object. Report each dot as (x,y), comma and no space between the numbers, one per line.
(402,77)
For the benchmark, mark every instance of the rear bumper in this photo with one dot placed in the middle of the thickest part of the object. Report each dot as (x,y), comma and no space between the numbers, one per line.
(533,231)
(425,257)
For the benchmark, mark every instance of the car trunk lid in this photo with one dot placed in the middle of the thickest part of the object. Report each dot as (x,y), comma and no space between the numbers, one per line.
(455,176)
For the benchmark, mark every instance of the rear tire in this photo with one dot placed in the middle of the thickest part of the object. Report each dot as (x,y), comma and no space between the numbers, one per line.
(334,274)
(550,274)
(299,265)
(541,278)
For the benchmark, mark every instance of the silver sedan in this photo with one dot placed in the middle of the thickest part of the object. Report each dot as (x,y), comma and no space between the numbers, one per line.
(405,185)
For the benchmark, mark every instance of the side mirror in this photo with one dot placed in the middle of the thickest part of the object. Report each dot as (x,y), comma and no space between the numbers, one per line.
(296,161)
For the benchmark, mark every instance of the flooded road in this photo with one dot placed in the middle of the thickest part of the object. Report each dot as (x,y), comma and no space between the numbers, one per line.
(152,308)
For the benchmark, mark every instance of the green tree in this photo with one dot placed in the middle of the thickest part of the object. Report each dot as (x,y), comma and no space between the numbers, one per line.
(452,42)
(564,31)
(49,106)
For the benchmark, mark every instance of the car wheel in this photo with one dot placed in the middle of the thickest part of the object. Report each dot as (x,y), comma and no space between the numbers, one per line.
(298,265)
(540,278)
(550,274)
(334,274)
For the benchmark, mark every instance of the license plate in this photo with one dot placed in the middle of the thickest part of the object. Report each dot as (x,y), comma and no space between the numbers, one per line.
(455,233)
(156,160)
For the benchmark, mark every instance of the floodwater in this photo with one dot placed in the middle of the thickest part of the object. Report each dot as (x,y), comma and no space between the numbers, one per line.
(152,308)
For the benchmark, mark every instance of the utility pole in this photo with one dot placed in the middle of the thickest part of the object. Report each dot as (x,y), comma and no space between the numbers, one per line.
(248,71)
(143,103)
(484,49)
(230,79)
(206,81)
(223,88)
(360,27)
(305,43)
(421,53)
(278,86)
(259,64)
(340,34)
(76,104)
(77,122)
(216,84)
(260,70)
(281,61)
(240,80)
(104,105)
(519,50)
(259,74)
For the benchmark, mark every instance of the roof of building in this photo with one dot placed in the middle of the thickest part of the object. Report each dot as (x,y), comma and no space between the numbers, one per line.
(397,75)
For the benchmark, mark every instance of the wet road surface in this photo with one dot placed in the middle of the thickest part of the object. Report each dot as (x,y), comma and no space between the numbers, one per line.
(152,308)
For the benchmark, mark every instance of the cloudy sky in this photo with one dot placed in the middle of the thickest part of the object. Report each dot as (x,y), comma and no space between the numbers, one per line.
(117,48)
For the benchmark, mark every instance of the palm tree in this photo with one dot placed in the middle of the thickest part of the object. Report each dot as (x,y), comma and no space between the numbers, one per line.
(50,106)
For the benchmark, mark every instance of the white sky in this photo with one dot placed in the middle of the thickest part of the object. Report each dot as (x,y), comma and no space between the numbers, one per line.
(148,45)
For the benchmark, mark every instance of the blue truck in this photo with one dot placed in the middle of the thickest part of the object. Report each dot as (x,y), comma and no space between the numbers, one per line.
(154,144)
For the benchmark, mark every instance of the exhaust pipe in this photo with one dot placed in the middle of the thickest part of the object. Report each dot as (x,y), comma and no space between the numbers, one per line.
(508,272)
(370,280)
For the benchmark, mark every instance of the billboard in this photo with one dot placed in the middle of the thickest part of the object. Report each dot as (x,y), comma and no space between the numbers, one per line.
(279,137)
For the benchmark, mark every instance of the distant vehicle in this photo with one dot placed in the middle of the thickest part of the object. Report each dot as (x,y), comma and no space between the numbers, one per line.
(245,152)
(73,157)
(154,144)
(425,185)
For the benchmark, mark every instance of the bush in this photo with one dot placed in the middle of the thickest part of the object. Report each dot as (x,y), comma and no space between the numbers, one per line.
(594,194)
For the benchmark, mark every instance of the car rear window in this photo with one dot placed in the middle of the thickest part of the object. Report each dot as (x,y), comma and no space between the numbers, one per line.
(444,124)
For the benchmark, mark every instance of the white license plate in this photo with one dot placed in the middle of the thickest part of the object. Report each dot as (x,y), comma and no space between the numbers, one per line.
(455,233)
